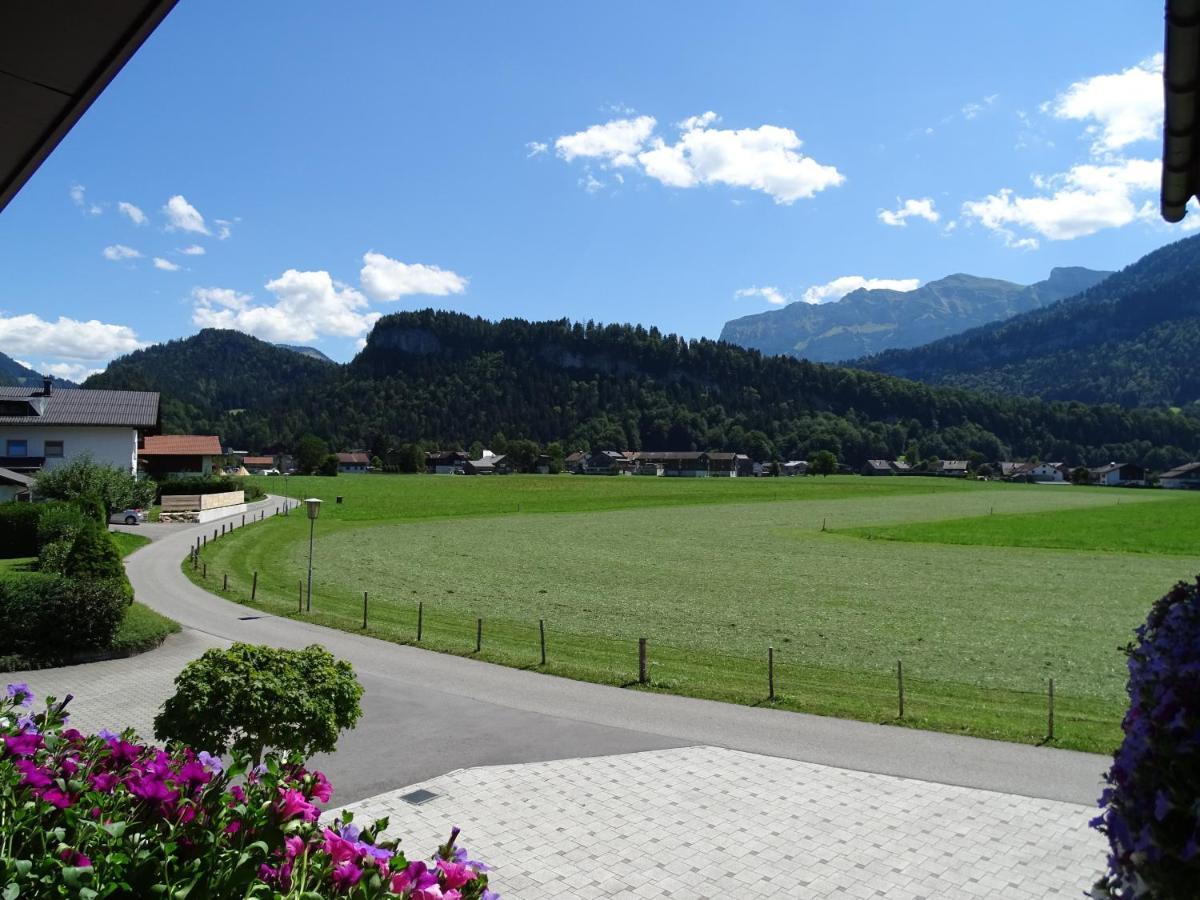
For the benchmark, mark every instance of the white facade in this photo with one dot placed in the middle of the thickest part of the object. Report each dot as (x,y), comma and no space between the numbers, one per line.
(1047,472)
(115,445)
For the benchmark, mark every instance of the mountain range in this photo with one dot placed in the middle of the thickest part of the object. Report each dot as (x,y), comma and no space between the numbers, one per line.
(1131,339)
(447,379)
(870,321)
(14,374)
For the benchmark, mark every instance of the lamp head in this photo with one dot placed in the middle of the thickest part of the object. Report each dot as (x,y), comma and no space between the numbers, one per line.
(314,507)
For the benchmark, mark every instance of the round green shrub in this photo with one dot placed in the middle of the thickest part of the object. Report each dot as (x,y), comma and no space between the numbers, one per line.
(94,555)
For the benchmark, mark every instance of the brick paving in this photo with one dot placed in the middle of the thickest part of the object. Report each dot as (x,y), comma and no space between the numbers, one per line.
(711,822)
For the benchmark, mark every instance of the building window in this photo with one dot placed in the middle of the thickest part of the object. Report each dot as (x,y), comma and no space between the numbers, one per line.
(17,448)
(53,449)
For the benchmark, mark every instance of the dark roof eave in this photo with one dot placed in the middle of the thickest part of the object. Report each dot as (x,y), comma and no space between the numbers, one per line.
(1181,123)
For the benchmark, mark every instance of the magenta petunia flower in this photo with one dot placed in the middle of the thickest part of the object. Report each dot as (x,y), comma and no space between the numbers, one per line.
(293,803)
(32,775)
(25,744)
(74,858)
(322,789)
(346,875)
(103,781)
(56,797)
(455,874)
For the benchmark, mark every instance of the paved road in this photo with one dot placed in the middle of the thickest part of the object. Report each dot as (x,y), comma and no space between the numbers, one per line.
(427,713)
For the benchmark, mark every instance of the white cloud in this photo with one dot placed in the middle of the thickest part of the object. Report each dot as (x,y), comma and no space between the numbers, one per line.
(771,294)
(182,216)
(69,338)
(840,287)
(1122,108)
(616,142)
(117,252)
(76,372)
(973,109)
(165,264)
(78,195)
(193,250)
(763,159)
(307,305)
(133,213)
(921,209)
(1086,199)
(536,148)
(590,183)
(224,228)
(384,278)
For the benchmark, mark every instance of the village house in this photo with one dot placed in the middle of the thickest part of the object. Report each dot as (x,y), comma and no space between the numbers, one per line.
(1048,472)
(1118,475)
(355,462)
(15,486)
(491,464)
(446,462)
(953,468)
(1182,477)
(166,455)
(679,463)
(794,467)
(575,462)
(605,462)
(46,427)
(878,467)
(259,465)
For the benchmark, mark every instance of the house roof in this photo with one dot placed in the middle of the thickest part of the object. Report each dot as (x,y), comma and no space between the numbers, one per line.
(353,459)
(181,445)
(954,463)
(486,461)
(1187,470)
(78,406)
(1181,127)
(577,456)
(258,460)
(662,455)
(1112,467)
(10,477)
(56,58)
(879,464)
(900,465)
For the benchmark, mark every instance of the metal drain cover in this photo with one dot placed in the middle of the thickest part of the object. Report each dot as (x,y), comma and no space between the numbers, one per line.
(416,798)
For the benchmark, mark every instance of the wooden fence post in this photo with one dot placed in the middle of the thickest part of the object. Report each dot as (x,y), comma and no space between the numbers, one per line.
(542,636)
(643,677)
(204,571)
(254,587)
(771,674)
(364,610)
(478,635)
(420,618)
(900,685)
(214,534)
(300,603)
(1050,713)
(243,520)
(225,582)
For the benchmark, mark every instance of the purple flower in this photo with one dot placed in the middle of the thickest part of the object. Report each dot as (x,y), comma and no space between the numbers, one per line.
(107,735)
(25,744)
(210,762)
(20,694)
(26,723)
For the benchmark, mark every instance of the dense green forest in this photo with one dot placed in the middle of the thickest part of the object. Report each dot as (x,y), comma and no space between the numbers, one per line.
(1132,340)
(448,379)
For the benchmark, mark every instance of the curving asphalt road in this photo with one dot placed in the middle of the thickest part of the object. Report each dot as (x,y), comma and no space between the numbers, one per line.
(427,713)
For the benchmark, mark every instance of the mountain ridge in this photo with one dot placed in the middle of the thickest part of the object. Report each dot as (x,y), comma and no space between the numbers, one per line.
(868,321)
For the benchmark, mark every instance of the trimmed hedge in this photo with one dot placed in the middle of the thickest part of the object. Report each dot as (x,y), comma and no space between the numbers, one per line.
(207,484)
(94,555)
(18,529)
(52,617)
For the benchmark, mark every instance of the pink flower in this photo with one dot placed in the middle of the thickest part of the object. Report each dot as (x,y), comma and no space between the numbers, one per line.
(238,794)
(194,775)
(338,848)
(293,803)
(456,874)
(322,789)
(233,827)
(56,797)
(292,847)
(416,875)
(23,744)
(74,858)
(346,875)
(32,775)
(103,781)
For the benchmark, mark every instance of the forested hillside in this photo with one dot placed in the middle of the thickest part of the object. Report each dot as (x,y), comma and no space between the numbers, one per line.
(870,321)
(449,379)
(1132,340)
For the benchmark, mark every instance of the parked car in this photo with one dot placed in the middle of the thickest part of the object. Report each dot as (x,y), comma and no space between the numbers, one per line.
(128,517)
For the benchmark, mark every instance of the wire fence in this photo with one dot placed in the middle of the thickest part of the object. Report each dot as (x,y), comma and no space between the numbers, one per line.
(1048,710)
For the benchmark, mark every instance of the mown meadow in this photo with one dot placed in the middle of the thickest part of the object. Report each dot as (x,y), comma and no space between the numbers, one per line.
(713,572)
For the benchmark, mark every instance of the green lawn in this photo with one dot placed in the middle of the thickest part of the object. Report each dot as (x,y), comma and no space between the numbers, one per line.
(1169,528)
(127,543)
(714,572)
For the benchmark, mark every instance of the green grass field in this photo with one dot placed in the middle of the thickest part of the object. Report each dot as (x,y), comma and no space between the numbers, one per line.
(713,572)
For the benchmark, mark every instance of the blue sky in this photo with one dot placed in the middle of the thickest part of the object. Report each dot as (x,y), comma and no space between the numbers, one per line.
(675,164)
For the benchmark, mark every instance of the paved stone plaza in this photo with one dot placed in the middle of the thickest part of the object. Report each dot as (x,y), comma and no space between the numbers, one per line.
(709,822)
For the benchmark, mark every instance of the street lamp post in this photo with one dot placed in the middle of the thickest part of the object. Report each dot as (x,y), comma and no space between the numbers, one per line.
(287,500)
(314,510)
